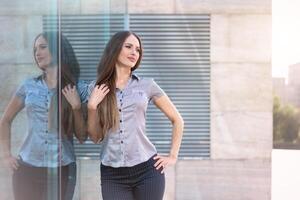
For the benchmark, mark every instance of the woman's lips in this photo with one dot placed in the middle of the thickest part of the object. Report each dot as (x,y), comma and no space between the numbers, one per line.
(39,59)
(132,59)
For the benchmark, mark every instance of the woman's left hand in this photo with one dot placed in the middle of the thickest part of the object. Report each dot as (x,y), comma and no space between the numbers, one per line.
(72,96)
(163,162)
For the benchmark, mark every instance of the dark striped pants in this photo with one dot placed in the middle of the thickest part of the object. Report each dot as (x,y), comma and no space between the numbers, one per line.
(140,182)
(41,183)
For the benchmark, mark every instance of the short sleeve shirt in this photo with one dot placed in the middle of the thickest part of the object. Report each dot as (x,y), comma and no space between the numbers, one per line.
(129,145)
(41,146)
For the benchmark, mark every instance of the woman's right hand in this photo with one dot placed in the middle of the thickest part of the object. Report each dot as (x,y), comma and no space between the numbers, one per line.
(11,163)
(97,95)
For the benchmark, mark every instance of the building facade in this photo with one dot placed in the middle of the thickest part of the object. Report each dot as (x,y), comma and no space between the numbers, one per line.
(238,165)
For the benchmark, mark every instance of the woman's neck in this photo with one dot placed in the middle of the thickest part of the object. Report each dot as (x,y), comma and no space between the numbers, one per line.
(51,77)
(123,75)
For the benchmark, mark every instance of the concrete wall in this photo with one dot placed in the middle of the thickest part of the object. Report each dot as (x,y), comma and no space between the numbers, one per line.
(241,93)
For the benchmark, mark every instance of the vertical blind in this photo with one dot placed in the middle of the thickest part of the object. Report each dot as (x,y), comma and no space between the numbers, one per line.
(176,55)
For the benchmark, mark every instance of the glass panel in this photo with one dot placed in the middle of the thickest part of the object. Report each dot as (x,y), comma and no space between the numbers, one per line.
(87,25)
(30,158)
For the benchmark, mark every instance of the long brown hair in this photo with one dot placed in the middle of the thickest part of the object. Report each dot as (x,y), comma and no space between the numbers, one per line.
(69,75)
(108,109)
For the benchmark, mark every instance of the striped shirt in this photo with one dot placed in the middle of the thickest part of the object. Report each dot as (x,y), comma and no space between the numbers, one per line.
(41,146)
(129,145)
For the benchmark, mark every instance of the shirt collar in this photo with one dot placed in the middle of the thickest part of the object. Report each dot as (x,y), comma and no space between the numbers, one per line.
(131,78)
(134,76)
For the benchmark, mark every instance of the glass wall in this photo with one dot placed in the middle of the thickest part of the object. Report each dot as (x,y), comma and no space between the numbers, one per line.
(30,140)
(44,52)
(50,46)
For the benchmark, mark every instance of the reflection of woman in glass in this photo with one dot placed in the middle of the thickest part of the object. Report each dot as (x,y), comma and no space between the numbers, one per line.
(36,170)
(130,166)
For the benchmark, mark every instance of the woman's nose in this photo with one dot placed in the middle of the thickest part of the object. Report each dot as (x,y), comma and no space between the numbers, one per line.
(37,52)
(133,52)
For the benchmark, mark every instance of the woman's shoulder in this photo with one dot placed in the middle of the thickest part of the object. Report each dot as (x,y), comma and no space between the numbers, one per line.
(147,82)
(82,84)
(31,81)
(91,85)
(143,80)
(26,85)
(83,87)
(150,85)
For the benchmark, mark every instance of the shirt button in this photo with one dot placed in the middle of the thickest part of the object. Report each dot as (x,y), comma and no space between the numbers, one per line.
(121,131)
(46,131)
(46,142)
(121,141)
(121,121)
(120,110)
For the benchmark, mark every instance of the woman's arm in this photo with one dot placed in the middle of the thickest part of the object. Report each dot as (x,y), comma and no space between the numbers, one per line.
(93,125)
(168,108)
(79,122)
(97,95)
(13,108)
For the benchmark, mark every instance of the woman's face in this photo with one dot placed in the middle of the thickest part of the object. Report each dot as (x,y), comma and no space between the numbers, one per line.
(129,53)
(41,53)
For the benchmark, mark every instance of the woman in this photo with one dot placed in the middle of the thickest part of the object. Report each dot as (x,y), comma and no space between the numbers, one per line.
(130,166)
(46,155)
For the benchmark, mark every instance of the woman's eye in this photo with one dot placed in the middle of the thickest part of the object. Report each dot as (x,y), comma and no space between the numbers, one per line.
(128,47)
